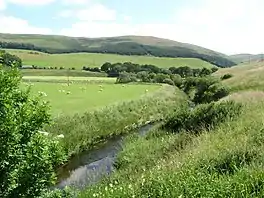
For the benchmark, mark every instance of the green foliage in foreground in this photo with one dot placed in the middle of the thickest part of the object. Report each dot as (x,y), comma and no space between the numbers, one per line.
(227,161)
(84,131)
(27,158)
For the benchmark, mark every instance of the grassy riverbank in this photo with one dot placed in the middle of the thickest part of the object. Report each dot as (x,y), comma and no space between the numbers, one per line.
(223,161)
(82,131)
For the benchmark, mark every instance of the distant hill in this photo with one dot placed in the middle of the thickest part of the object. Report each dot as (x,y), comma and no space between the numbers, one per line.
(124,45)
(245,58)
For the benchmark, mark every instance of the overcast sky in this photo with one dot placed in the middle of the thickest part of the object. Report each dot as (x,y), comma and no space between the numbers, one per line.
(227,26)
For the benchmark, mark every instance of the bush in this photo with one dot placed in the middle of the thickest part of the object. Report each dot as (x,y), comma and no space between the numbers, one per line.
(204,116)
(226,76)
(27,157)
(204,89)
(125,77)
(61,68)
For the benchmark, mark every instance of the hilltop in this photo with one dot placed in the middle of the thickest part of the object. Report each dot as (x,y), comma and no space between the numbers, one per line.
(124,45)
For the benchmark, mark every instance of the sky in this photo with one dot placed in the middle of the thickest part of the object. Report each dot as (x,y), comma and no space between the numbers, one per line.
(227,26)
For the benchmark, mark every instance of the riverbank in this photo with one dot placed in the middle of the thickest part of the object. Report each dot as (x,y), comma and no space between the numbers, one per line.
(83,132)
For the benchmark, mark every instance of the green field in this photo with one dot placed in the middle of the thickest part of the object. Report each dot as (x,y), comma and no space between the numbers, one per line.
(86,97)
(70,79)
(78,60)
(53,72)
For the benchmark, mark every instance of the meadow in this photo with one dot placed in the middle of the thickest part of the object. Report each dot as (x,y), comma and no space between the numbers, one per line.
(78,60)
(82,97)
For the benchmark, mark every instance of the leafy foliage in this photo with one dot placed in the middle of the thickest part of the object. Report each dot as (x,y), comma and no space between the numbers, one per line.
(226,76)
(204,116)
(9,59)
(27,158)
(204,89)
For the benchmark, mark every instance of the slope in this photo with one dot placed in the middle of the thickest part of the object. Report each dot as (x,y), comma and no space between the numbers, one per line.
(124,45)
(244,58)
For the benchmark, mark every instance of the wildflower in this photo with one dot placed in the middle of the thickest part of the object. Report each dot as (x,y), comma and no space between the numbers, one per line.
(60,136)
(44,133)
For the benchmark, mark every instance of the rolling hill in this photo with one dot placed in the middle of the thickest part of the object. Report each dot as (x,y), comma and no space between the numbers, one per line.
(124,45)
(245,58)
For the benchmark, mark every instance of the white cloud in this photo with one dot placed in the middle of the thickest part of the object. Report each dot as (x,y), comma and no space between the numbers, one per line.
(75,2)
(2,5)
(226,26)
(31,2)
(10,24)
(96,12)
(65,13)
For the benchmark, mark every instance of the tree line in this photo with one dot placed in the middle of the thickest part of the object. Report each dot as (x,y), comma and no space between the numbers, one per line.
(127,48)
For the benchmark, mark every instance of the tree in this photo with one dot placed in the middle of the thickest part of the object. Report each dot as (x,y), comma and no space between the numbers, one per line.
(27,157)
(9,59)
(106,67)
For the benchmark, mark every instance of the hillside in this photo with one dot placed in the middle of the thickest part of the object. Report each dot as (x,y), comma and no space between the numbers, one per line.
(244,58)
(125,45)
(78,60)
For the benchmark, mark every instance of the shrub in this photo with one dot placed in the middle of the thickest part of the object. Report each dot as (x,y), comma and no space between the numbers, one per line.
(27,157)
(205,89)
(61,68)
(73,68)
(125,77)
(226,76)
(204,116)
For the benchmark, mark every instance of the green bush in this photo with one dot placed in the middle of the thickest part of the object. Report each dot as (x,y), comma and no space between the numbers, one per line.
(204,89)
(226,76)
(204,116)
(27,157)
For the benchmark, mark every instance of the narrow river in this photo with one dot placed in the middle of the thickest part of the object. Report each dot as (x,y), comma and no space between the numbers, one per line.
(90,167)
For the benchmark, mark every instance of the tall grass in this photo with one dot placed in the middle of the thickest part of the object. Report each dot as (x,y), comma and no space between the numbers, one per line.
(227,161)
(89,129)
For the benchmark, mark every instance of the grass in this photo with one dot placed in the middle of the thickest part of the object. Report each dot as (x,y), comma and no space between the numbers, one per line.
(225,161)
(245,77)
(48,72)
(85,97)
(70,79)
(83,131)
(78,60)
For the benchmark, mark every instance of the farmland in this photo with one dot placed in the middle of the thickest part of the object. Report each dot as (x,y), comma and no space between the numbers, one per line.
(78,60)
(83,97)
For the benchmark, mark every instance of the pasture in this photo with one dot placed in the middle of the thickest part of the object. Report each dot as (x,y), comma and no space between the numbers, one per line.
(78,60)
(83,97)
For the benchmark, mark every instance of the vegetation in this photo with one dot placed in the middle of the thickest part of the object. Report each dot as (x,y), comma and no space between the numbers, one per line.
(64,72)
(247,58)
(27,157)
(127,45)
(217,151)
(86,130)
(9,60)
(226,76)
(80,60)
(82,97)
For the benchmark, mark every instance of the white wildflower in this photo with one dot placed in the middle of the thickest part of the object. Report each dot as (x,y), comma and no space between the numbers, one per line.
(44,133)
(60,136)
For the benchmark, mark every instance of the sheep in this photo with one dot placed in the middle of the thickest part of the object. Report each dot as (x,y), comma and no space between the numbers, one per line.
(146,90)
